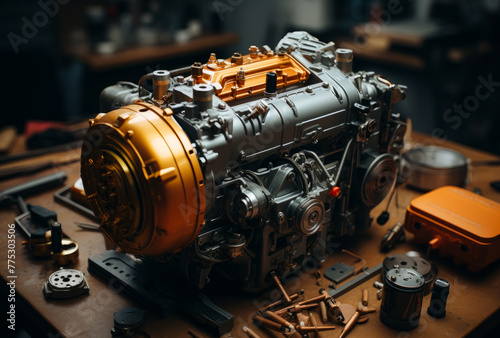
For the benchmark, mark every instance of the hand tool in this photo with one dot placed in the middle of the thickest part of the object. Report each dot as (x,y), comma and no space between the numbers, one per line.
(9,195)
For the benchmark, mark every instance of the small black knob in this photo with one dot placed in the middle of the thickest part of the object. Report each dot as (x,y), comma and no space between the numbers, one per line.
(383,218)
(440,291)
(271,83)
(56,237)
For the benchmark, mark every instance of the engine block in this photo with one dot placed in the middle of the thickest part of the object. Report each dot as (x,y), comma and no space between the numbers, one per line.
(248,163)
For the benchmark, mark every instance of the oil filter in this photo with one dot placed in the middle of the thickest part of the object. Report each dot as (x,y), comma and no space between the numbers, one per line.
(402,299)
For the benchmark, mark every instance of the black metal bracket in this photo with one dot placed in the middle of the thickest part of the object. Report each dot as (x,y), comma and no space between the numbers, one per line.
(143,283)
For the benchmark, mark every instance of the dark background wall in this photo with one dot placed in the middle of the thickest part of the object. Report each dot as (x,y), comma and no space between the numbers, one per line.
(45,78)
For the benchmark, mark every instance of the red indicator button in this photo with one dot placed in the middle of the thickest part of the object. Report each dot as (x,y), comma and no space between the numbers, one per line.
(334,192)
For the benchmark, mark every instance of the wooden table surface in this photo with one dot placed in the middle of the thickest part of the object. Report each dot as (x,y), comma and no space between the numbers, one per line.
(473,303)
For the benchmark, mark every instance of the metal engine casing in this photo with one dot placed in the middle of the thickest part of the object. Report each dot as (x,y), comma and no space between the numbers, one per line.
(250,164)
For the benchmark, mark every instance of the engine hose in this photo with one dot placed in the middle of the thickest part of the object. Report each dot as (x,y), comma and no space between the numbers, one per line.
(321,165)
(253,176)
(141,80)
(202,256)
(341,166)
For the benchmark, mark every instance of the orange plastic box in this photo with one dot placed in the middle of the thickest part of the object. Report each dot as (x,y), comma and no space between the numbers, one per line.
(459,223)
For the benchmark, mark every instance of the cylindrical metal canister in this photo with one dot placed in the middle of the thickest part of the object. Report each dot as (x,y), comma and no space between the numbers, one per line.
(402,299)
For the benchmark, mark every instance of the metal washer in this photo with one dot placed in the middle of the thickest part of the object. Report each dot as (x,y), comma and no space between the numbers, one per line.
(65,283)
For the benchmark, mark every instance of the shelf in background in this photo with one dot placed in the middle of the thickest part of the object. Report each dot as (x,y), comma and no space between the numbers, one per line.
(144,54)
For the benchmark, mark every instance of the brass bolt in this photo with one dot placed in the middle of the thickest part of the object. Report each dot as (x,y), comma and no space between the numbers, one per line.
(364,297)
(277,283)
(279,319)
(269,324)
(305,329)
(324,313)
(250,333)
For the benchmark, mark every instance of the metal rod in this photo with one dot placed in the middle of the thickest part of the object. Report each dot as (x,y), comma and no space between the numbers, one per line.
(277,283)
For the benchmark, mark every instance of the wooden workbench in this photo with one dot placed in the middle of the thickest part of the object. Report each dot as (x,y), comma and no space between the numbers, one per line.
(473,303)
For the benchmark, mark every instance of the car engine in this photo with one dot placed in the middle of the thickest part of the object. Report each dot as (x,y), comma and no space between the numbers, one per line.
(249,164)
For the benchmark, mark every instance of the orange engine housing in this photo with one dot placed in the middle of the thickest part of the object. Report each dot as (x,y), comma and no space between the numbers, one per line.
(143,180)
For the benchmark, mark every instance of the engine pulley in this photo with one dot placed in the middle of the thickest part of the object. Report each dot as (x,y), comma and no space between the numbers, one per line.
(380,171)
(307,215)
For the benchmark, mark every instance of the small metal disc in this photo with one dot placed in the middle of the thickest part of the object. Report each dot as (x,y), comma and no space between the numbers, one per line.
(65,283)
(129,318)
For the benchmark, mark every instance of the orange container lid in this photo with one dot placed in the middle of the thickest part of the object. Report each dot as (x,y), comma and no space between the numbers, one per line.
(463,211)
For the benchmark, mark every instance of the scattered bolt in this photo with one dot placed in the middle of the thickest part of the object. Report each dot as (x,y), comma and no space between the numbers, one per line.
(364,298)
(324,314)
(277,283)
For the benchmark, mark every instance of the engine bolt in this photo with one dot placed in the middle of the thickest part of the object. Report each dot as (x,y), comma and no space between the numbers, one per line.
(281,218)
(313,218)
(221,106)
